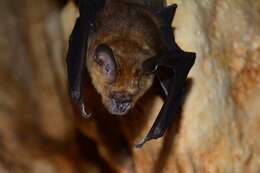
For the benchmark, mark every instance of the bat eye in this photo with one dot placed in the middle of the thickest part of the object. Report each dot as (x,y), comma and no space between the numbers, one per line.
(149,66)
(105,59)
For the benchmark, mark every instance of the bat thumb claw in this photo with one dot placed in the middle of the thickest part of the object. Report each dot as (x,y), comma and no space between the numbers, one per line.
(155,133)
(83,111)
(142,142)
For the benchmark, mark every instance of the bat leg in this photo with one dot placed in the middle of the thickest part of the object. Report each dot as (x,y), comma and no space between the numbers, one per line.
(173,85)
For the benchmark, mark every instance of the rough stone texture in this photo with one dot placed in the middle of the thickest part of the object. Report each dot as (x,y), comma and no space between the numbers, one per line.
(36,129)
(219,128)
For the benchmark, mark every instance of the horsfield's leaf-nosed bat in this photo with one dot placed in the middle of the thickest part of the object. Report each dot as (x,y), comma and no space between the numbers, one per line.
(124,46)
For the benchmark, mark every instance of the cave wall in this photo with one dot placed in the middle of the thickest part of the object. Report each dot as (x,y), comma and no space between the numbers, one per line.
(35,114)
(218,131)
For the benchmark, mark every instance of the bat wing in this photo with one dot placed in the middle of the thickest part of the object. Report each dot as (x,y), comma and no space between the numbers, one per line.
(77,51)
(172,69)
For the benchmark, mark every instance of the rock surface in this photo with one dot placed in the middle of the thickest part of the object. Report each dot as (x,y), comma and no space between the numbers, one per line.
(219,129)
(220,123)
(36,129)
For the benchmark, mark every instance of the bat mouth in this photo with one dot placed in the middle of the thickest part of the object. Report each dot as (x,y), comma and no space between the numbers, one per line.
(120,107)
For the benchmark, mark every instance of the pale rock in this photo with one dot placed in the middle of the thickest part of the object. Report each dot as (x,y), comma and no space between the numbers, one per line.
(220,122)
(219,129)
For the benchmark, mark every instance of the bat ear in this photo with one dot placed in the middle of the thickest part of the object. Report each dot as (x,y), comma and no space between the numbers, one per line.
(105,59)
(166,15)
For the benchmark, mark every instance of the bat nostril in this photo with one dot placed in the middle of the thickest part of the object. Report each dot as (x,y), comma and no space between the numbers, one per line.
(121,97)
(116,95)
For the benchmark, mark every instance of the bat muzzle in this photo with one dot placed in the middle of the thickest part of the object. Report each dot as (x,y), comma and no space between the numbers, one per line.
(120,104)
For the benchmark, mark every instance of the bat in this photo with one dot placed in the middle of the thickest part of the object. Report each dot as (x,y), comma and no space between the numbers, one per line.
(125,46)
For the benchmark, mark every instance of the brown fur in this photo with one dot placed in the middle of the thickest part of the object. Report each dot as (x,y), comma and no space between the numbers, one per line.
(132,34)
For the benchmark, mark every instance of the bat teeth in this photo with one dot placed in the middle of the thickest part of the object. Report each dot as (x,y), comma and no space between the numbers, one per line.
(120,107)
(123,106)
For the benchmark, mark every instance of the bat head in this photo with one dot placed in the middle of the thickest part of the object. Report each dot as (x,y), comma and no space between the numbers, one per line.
(116,52)
(117,75)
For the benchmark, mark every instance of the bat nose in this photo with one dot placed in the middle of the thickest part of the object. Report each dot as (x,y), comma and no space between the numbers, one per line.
(121,102)
(121,96)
